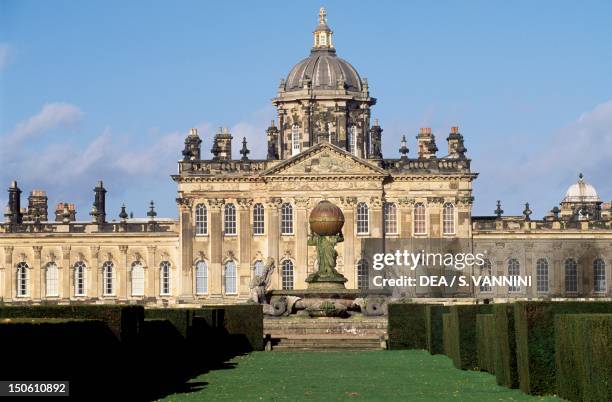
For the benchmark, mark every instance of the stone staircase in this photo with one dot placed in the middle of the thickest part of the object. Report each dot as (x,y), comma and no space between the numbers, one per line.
(301,333)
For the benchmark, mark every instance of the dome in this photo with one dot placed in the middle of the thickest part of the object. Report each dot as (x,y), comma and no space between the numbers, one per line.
(581,192)
(323,68)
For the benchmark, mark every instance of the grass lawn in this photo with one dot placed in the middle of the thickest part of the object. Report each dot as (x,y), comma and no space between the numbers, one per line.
(411,375)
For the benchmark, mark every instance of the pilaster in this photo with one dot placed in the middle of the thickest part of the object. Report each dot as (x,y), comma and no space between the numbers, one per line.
(37,275)
(215,281)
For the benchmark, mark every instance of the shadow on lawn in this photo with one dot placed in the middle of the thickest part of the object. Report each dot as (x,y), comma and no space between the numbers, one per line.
(159,362)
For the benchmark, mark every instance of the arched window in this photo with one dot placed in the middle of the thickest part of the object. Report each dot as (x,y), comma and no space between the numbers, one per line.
(514,269)
(599,275)
(79,278)
(201,278)
(322,39)
(390,218)
(201,220)
(258,219)
(448,219)
(571,275)
(230,277)
(51,276)
(23,279)
(419,219)
(229,219)
(287,275)
(363,275)
(164,278)
(352,139)
(286,219)
(486,271)
(363,218)
(258,268)
(108,275)
(295,140)
(138,279)
(542,275)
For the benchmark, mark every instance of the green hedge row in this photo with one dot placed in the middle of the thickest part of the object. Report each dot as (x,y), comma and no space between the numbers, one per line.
(535,340)
(407,326)
(583,344)
(123,321)
(449,343)
(433,317)
(505,346)
(462,331)
(485,342)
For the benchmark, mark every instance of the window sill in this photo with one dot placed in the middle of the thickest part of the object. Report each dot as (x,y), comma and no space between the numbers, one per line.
(259,234)
(230,234)
(202,235)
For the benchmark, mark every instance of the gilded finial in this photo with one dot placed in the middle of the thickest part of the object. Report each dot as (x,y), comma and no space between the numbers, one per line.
(322,16)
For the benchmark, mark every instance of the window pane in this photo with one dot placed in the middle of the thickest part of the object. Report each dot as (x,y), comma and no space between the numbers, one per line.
(259,266)
(230,219)
(486,271)
(448,218)
(107,276)
(258,219)
(599,275)
(363,218)
(514,269)
(390,218)
(542,275)
(52,279)
(419,219)
(23,279)
(201,220)
(363,275)
(286,219)
(295,140)
(201,277)
(287,275)
(79,278)
(571,275)
(164,273)
(137,279)
(230,277)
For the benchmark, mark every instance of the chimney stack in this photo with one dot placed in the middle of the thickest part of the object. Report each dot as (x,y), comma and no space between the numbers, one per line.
(100,203)
(427,143)
(65,212)
(14,213)
(222,146)
(37,206)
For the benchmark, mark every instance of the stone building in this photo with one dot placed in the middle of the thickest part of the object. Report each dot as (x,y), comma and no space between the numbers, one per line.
(235,213)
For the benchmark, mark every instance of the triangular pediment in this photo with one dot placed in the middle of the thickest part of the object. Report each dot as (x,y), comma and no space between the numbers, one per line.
(324,159)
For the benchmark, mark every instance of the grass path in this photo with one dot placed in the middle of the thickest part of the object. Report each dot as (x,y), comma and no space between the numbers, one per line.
(337,376)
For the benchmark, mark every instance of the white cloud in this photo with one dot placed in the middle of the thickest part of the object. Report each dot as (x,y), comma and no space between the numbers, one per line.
(5,53)
(52,115)
(541,176)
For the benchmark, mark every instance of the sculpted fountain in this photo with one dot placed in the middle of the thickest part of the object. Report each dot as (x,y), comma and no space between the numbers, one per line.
(326,294)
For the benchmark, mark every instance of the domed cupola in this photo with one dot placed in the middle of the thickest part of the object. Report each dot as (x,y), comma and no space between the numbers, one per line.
(581,201)
(323,69)
(323,98)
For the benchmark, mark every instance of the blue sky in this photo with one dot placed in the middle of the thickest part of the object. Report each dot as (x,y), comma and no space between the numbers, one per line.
(108,90)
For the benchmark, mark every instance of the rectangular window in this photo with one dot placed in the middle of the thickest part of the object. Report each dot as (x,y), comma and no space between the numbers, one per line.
(258,219)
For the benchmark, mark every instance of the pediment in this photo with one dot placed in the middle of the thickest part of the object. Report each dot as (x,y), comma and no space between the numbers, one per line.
(325,159)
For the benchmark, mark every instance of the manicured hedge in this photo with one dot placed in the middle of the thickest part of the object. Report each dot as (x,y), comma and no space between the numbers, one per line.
(485,342)
(450,343)
(462,332)
(123,321)
(583,354)
(407,326)
(181,318)
(505,346)
(243,323)
(535,340)
(435,339)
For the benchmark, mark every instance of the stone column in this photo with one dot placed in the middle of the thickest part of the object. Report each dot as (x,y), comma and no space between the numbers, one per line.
(405,230)
(348,231)
(244,245)
(9,274)
(37,275)
(123,272)
(93,273)
(281,134)
(65,273)
(215,273)
(153,277)
(186,247)
(272,206)
(301,242)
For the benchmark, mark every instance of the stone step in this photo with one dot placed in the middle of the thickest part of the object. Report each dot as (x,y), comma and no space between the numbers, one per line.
(327,343)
